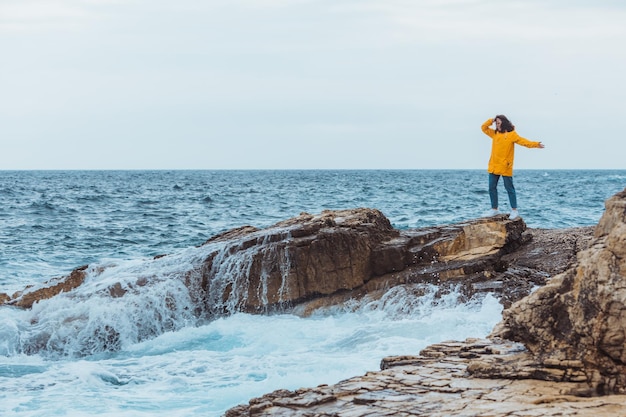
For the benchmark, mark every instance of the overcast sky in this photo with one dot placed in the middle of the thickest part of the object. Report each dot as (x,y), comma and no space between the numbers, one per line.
(309,84)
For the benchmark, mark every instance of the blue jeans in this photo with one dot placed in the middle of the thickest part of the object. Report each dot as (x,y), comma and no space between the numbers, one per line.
(508,186)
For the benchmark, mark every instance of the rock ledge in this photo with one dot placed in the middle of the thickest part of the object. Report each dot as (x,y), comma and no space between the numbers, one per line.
(441,382)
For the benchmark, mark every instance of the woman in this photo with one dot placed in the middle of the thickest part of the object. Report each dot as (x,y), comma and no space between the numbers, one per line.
(503,140)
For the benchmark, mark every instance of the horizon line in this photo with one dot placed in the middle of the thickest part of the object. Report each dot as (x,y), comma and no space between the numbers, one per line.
(294,169)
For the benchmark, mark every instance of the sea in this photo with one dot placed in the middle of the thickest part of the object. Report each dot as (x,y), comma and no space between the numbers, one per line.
(56,361)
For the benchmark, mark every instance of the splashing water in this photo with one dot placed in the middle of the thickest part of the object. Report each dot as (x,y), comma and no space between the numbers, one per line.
(209,368)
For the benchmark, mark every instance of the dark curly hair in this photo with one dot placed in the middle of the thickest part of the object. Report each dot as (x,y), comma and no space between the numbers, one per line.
(505,124)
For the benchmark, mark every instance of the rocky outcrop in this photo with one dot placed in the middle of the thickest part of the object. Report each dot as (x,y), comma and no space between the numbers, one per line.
(436,384)
(314,261)
(580,316)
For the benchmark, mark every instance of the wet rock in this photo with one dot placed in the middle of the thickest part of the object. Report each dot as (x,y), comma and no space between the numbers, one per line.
(28,296)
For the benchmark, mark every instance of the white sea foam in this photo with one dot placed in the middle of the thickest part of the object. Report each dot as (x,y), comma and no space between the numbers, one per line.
(207,369)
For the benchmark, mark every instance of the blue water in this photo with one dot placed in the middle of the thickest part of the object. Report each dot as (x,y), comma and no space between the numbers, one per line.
(170,363)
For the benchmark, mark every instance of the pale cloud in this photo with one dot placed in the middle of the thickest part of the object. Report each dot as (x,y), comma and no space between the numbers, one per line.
(251,83)
(471,20)
(40,15)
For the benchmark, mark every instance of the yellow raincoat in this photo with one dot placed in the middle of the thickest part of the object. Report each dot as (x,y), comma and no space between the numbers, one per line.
(503,149)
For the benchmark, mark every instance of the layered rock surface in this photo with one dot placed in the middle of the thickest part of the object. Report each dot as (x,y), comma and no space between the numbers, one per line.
(436,384)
